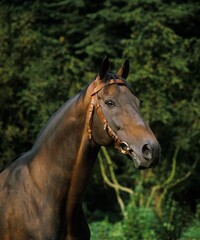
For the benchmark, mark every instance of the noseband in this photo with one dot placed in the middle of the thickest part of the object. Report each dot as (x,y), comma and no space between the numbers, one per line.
(120,145)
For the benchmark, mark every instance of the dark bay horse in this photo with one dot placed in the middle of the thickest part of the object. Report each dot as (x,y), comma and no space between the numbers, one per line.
(41,191)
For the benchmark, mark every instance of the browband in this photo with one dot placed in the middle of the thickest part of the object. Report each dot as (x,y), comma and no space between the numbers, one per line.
(112,81)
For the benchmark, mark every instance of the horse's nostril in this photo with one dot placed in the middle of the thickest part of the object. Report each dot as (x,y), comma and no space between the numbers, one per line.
(147,152)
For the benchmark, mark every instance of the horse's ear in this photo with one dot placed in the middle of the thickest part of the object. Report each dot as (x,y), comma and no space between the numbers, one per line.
(103,69)
(124,69)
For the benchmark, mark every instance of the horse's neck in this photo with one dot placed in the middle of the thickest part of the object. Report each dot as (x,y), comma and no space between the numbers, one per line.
(64,158)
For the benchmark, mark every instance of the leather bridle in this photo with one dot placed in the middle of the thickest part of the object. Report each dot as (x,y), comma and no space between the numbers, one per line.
(120,145)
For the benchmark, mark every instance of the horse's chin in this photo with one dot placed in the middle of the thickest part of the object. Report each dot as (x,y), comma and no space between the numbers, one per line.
(140,164)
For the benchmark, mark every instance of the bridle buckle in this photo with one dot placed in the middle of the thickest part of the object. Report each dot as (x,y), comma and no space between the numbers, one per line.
(125,148)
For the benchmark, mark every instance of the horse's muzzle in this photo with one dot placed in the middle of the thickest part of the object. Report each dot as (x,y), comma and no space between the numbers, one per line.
(147,157)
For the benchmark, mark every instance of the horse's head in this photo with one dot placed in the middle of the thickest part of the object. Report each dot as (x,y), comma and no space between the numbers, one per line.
(114,118)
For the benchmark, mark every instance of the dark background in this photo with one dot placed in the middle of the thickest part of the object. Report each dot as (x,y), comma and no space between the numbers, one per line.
(49,50)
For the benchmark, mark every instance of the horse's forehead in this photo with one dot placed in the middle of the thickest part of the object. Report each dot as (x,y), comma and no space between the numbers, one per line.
(118,91)
(111,90)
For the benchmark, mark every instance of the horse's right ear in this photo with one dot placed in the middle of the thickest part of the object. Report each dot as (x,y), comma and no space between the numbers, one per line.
(103,69)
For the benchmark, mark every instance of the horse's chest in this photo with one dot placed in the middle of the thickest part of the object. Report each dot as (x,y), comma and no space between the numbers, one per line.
(27,214)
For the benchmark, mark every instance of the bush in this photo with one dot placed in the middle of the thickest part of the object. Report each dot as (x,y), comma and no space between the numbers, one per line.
(192,232)
(140,224)
(143,223)
(106,230)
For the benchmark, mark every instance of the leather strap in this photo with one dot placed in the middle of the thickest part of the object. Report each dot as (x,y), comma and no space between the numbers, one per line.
(95,105)
(102,85)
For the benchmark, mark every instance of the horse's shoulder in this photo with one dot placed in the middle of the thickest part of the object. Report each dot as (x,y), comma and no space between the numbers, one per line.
(3,177)
(14,174)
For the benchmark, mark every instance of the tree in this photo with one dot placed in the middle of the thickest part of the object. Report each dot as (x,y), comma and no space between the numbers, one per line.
(51,49)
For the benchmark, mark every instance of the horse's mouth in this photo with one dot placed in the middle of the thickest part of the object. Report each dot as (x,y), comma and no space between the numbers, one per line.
(139,164)
(133,156)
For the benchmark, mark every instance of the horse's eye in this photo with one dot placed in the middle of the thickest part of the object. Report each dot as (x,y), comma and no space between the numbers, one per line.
(110,103)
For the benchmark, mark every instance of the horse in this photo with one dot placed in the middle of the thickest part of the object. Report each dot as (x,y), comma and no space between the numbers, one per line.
(41,192)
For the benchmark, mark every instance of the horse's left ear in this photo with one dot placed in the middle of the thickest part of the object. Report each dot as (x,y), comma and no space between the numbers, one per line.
(124,69)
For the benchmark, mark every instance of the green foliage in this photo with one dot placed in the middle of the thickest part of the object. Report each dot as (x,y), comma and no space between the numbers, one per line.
(140,223)
(143,223)
(106,230)
(51,49)
(192,232)
(34,69)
